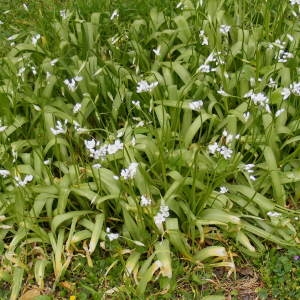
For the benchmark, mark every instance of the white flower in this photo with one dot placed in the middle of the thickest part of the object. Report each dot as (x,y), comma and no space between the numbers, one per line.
(222,93)
(293,2)
(157,51)
(246,115)
(272,83)
(144,86)
(213,148)
(140,124)
(90,144)
(161,216)
(180,5)
(253,178)
(96,166)
(25,6)
(133,141)
(203,37)
(205,68)
(283,56)
(111,236)
(78,128)
(71,84)
(196,105)
(115,14)
(21,71)
(36,107)
(63,14)
(258,99)
(273,214)
(1,23)
(53,61)
(2,127)
(279,112)
(145,201)
(4,173)
(59,128)
(295,88)
(130,172)
(223,190)
(224,29)
(47,161)
(249,168)
(290,37)
(76,108)
(20,182)
(225,152)
(115,147)
(136,103)
(35,39)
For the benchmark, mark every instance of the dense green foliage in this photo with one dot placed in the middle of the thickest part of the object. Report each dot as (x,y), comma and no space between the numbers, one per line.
(148,133)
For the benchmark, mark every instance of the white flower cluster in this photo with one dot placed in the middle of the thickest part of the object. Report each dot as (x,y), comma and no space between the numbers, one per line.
(229,137)
(196,105)
(72,83)
(130,172)
(223,190)
(161,216)
(111,236)
(211,62)
(293,2)
(96,151)
(59,128)
(249,169)
(145,201)
(223,150)
(224,29)
(20,182)
(273,214)
(35,39)
(259,99)
(283,56)
(144,86)
(203,37)
(294,88)
(2,127)
(76,108)
(4,173)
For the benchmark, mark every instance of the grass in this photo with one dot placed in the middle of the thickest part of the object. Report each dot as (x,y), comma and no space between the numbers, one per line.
(155,143)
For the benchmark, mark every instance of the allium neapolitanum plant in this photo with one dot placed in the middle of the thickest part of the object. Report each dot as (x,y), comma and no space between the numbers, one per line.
(173,134)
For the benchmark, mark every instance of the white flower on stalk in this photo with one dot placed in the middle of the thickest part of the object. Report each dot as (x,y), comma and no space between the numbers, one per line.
(259,99)
(225,152)
(47,161)
(196,105)
(25,6)
(229,137)
(157,51)
(283,56)
(4,173)
(203,37)
(96,166)
(20,182)
(213,148)
(273,214)
(223,190)
(279,112)
(222,93)
(76,108)
(224,29)
(272,83)
(53,61)
(78,128)
(35,39)
(136,103)
(115,147)
(249,168)
(293,2)
(59,128)
(285,93)
(115,14)
(205,68)
(180,5)
(71,83)
(130,172)
(111,236)
(295,88)
(246,115)
(21,71)
(144,86)
(145,201)
(161,216)
(2,127)
(63,14)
